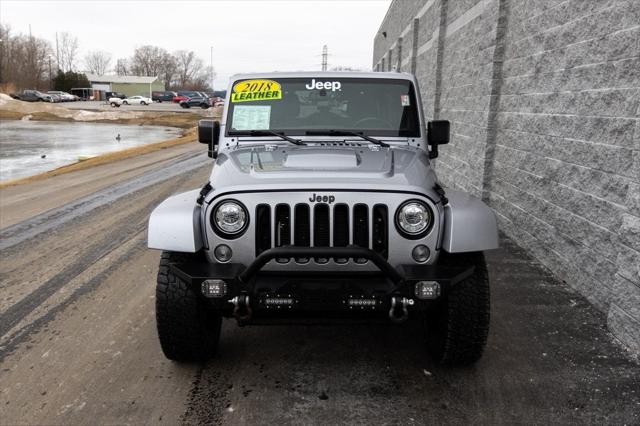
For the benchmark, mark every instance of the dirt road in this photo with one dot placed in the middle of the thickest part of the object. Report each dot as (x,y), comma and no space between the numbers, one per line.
(78,343)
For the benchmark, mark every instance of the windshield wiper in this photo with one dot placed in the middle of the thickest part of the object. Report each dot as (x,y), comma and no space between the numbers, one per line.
(268,133)
(346,133)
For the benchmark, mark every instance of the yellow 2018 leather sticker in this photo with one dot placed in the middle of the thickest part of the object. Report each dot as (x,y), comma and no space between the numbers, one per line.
(256,90)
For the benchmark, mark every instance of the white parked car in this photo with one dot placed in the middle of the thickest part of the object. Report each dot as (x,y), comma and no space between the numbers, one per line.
(64,96)
(141,100)
(115,102)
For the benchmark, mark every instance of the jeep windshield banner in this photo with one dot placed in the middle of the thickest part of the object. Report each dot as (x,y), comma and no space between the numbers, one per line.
(293,106)
(256,90)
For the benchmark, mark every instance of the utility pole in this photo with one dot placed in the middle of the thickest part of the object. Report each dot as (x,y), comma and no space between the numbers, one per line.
(50,79)
(324,57)
(211,68)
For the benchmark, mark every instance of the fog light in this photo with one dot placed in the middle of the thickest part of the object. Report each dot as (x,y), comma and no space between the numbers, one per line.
(223,253)
(426,290)
(421,253)
(214,288)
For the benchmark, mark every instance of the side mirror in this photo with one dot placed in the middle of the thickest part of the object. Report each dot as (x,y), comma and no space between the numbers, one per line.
(437,134)
(209,133)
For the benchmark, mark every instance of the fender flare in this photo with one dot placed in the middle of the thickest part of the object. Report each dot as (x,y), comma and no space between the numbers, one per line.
(469,224)
(175,224)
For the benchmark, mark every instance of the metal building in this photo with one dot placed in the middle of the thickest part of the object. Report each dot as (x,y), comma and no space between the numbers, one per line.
(130,85)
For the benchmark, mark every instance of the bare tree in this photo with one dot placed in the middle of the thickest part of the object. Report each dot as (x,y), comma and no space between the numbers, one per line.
(149,60)
(5,32)
(122,66)
(202,81)
(168,72)
(188,66)
(25,61)
(68,50)
(97,61)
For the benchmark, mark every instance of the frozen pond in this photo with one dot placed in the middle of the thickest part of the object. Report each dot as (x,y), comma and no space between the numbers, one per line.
(24,143)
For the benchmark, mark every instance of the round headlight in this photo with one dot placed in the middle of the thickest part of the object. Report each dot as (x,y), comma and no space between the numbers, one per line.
(414,218)
(230,217)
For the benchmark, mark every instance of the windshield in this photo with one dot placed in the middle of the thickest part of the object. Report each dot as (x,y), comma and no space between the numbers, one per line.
(293,106)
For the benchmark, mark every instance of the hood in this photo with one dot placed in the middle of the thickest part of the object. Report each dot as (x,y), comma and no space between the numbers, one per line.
(338,165)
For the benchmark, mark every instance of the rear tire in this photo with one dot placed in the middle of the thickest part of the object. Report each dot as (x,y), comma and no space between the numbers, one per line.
(188,328)
(458,325)
(204,106)
(125,103)
(143,103)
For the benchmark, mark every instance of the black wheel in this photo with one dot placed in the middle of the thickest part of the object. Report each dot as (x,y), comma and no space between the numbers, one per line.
(143,103)
(125,102)
(457,325)
(204,106)
(188,328)
(185,105)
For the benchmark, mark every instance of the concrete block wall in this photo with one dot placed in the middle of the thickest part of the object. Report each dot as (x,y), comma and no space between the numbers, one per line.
(544,100)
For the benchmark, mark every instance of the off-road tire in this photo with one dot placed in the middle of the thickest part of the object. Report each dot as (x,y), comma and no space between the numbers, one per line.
(188,328)
(457,326)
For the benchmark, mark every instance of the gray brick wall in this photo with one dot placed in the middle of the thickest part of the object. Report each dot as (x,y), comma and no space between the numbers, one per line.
(544,101)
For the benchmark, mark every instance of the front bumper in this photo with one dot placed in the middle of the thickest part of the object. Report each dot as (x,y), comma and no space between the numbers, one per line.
(271,291)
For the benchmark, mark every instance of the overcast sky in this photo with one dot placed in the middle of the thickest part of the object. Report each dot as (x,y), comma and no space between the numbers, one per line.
(246,35)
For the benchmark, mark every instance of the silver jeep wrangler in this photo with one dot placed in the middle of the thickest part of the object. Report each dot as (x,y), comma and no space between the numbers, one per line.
(323,205)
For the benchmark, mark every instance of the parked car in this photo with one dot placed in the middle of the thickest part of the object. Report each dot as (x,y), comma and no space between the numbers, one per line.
(197,101)
(216,101)
(55,98)
(188,93)
(323,216)
(65,97)
(139,100)
(110,95)
(166,96)
(115,101)
(32,96)
(179,98)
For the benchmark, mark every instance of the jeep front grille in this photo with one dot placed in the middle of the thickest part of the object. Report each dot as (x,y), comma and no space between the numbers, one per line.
(322,225)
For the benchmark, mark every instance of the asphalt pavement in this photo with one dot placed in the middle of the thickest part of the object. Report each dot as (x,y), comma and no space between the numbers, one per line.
(78,343)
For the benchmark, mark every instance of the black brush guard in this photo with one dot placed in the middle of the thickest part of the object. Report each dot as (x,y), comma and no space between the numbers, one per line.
(241,279)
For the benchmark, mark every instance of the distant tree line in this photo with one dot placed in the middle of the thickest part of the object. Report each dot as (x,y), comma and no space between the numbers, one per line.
(29,62)
(181,69)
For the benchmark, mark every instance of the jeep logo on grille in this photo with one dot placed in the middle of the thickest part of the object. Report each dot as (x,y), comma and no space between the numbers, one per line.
(315,198)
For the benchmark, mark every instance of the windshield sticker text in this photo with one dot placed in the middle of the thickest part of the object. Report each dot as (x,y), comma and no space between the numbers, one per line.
(251,117)
(256,90)
(326,85)
(404,100)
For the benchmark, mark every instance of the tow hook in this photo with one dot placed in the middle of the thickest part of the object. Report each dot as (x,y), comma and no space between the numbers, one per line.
(399,312)
(242,308)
